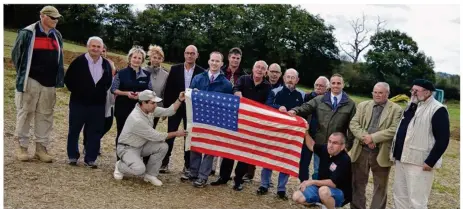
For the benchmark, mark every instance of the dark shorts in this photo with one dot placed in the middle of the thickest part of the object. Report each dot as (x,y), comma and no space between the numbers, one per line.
(311,195)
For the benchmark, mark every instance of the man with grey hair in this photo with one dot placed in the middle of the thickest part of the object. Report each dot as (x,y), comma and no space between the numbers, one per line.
(321,85)
(38,58)
(373,125)
(88,78)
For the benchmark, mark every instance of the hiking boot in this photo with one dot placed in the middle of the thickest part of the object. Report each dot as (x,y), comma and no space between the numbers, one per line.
(41,153)
(219,181)
(282,195)
(200,183)
(117,174)
(153,180)
(262,190)
(21,153)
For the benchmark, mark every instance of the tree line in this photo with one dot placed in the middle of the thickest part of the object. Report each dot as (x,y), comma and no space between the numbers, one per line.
(284,34)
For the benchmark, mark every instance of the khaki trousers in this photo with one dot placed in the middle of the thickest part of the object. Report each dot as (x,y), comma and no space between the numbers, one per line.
(36,102)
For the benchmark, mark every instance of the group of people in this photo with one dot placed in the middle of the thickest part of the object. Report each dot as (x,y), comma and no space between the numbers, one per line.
(345,139)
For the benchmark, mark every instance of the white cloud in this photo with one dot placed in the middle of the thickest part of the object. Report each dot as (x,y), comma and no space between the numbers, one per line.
(436,28)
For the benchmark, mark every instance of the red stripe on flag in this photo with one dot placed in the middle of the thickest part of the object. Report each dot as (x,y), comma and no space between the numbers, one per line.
(244,159)
(244,140)
(271,128)
(245,149)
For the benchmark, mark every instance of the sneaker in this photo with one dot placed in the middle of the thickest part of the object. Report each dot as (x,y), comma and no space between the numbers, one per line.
(91,165)
(153,180)
(238,187)
(219,181)
(321,205)
(187,177)
(282,195)
(246,179)
(164,169)
(200,183)
(73,162)
(262,190)
(117,174)
(186,171)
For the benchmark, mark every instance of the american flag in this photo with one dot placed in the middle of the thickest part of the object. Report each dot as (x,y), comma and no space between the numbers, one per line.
(241,129)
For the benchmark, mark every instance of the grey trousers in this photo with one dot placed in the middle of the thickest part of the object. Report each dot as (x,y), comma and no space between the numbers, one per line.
(200,166)
(132,162)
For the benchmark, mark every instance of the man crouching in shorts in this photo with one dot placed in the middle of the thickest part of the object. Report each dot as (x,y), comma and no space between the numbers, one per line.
(334,189)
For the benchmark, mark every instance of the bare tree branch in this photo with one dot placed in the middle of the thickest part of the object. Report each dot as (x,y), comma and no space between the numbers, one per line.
(362,37)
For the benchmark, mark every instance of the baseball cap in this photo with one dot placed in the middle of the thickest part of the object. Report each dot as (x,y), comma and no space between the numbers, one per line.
(50,11)
(148,95)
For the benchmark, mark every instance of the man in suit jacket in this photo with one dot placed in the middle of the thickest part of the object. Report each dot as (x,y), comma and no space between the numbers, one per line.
(374,126)
(179,79)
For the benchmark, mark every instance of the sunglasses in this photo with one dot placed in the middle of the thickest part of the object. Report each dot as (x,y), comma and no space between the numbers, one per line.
(53,18)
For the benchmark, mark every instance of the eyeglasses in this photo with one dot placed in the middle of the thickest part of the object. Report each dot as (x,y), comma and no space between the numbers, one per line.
(274,71)
(190,53)
(53,18)
(319,85)
(291,77)
(414,90)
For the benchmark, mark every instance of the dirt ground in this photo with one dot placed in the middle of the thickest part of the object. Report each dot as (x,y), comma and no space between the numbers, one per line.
(58,185)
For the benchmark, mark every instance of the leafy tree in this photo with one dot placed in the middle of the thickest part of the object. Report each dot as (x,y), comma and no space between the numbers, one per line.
(394,58)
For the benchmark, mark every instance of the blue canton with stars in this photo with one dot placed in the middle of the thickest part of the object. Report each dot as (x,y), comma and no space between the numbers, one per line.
(215,109)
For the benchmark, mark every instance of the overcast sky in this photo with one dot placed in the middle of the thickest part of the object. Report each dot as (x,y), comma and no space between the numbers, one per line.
(436,28)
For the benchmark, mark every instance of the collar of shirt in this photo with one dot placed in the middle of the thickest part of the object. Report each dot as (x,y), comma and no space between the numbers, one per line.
(209,73)
(339,96)
(52,30)
(382,105)
(91,61)
(189,70)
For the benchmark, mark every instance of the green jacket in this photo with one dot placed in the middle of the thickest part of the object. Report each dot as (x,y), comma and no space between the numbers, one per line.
(22,56)
(329,120)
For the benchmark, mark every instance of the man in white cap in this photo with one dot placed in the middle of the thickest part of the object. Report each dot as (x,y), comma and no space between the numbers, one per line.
(138,138)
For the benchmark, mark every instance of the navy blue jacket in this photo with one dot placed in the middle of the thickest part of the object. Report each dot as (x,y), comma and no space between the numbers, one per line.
(282,96)
(220,84)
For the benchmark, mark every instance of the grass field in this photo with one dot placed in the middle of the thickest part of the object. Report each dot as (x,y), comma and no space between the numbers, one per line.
(58,185)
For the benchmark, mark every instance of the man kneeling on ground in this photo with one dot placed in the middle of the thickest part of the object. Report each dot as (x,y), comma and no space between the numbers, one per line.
(334,189)
(138,138)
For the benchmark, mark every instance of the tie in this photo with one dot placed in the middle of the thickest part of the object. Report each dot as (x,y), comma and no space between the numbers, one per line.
(212,79)
(335,103)
(232,79)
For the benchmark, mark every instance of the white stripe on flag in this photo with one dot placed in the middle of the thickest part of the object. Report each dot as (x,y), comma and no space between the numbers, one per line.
(271,124)
(246,154)
(265,112)
(245,136)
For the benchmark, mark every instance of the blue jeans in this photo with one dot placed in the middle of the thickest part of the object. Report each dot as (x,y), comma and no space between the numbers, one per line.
(266,175)
(93,117)
(200,166)
(311,195)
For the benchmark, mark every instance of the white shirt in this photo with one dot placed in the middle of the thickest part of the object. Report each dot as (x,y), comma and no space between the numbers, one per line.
(96,68)
(339,96)
(209,73)
(188,75)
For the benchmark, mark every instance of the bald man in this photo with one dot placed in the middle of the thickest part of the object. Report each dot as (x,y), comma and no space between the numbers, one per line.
(179,79)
